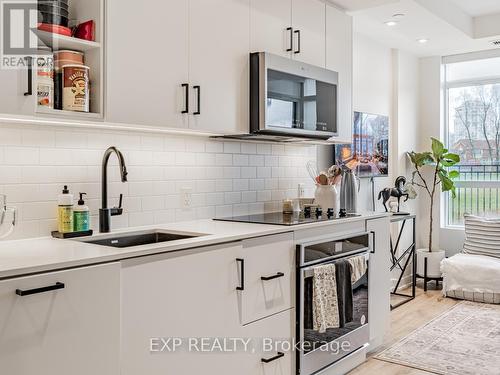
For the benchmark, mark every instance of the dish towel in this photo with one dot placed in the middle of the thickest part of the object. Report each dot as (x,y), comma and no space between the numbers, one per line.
(325,303)
(344,292)
(358,268)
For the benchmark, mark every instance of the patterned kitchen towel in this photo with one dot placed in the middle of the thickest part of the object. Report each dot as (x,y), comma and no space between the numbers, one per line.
(325,303)
(358,268)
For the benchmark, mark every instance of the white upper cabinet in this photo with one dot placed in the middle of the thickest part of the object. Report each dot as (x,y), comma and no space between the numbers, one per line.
(270,27)
(147,63)
(219,34)
(339,59)
(15,97)
(308,22)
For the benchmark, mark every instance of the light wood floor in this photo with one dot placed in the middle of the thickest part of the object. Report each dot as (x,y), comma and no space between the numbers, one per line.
(404,320)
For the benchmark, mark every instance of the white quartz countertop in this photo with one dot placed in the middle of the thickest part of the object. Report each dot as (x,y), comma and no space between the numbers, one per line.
(23,257)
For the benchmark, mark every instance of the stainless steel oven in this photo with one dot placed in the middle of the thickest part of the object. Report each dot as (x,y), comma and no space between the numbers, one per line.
(290,98)
(320,349)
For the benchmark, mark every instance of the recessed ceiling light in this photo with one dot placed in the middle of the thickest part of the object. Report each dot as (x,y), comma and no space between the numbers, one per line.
(391,23)
(422,40)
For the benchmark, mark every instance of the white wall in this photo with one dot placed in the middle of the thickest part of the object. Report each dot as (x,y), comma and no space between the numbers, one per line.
(372,93)
(226,178)
(432,125)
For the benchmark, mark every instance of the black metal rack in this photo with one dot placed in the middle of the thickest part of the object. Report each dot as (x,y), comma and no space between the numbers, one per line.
(409,254)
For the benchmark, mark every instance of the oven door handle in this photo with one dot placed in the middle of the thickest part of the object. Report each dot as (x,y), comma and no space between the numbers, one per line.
(278,275)
(373,242)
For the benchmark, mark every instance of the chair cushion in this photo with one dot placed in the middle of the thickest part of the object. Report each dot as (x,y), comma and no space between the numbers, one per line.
(471,273)
(482,236)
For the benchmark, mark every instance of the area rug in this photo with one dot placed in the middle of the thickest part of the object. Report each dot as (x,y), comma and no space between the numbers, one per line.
(465,340)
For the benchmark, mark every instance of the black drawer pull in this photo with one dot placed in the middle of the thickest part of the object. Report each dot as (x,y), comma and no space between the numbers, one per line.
(242,274)
(374,242)
(278,275)
(278,356)
(50,288)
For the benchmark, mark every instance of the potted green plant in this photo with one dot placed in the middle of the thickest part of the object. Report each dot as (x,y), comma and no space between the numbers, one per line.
(437,161)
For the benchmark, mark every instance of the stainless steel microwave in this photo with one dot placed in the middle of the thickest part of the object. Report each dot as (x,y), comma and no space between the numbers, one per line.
(292,99)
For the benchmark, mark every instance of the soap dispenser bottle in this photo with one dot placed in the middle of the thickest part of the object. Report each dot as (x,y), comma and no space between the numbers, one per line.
(81,216)
(65,211)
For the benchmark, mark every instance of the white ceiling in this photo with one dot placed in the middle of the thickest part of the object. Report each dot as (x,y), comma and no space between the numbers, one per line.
(450,28)
(353,5)
(478,7)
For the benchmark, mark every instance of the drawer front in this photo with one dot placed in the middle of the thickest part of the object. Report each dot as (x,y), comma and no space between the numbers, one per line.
(275,356)
(333,229)
(269,276)
(61,323)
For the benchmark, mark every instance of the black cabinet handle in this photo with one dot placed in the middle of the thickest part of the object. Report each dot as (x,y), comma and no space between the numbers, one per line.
(198,95)
(289,29)
(278,356)
(374,239)
(242,274)
(278,275)
(29,61)
(298,41)
(186,97)
(44,289)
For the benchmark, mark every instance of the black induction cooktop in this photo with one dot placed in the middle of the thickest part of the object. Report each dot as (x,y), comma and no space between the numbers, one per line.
(278,218)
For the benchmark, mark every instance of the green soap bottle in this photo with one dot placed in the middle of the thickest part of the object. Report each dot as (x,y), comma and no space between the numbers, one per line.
(65,211)
(81,216)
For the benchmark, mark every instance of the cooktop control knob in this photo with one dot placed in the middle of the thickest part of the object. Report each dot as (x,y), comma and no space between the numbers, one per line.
(319,212)
(330,213)
(307,211)
(342,212)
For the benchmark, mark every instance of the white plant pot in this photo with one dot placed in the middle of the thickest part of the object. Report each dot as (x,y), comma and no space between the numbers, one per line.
(434,259)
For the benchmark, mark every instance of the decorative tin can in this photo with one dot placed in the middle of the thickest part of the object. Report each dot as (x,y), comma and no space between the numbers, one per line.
(76,92)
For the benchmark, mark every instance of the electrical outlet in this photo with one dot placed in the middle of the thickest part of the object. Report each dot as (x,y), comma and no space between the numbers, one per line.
(300,191)
(186,197)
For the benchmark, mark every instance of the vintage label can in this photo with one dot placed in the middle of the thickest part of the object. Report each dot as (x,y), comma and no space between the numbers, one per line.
(76,88)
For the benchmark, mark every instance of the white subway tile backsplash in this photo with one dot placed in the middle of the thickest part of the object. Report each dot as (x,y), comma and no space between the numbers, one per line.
(232,147)
(225,178)
(224,159)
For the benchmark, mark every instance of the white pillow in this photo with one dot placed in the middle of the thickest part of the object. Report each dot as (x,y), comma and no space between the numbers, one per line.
(482,236)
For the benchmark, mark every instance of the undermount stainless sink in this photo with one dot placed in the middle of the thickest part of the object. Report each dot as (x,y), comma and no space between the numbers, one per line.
(137,239)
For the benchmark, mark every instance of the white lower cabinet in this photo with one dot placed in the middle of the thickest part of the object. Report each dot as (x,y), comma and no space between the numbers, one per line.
(379,281)
(179,295)
(61,323)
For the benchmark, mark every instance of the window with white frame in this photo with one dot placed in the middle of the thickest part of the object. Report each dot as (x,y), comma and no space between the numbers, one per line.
(472,100)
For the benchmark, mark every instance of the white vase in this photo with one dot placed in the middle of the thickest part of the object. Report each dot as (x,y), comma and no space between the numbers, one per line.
(434,259)
(326,196)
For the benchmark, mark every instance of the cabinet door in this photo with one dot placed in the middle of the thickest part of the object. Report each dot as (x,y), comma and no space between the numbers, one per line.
(219,64)
(268,278)
(14,86)
(269,21)
(147,62)
(339,59)
(185,295)
(71,330)
(308,21)
(379,281)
